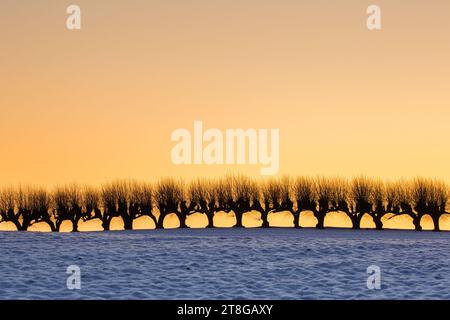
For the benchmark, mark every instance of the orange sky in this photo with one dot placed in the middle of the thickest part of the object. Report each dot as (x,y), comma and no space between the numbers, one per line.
(101,103)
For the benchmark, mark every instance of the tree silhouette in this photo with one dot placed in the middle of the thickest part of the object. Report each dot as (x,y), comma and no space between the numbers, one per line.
(67,206)
(91,203)
(39,205)
(324,194)
(379,202)
(8,210)
(362,190)
(202,198)
(168,196)
(141,201)
(25,206)
(304,197)
(429,197)
(243,193)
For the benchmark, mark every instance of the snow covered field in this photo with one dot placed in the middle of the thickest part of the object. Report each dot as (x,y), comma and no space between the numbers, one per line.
(278,263)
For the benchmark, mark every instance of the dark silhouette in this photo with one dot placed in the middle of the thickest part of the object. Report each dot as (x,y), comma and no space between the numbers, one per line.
(129,200)
(169,196)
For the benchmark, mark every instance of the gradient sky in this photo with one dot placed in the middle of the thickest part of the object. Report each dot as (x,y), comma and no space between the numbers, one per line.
(101,103)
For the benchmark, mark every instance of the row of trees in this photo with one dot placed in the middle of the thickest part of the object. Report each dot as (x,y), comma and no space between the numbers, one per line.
(130,200)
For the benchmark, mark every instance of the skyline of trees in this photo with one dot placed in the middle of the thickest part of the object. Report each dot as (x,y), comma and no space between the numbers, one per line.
(128,199)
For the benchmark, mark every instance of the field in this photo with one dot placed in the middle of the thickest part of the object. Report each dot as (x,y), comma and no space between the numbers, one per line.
(226,263)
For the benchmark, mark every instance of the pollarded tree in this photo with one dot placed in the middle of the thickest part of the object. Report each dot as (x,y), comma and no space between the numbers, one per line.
(403,193)
(116,203)
(305,197)
(68,205)
(141,201)
(202,199)
(23,204)
(392,198)
(324,194)
(222,190)
(110,207)
(420,189)
(379,203)
(121,193)
(61,206)
(40,201)
(91,200)
(76,205)
(440,199)
(116,197)
(258,202)
(340,199)
(437,201)
(243,192)
(285,202)
(168,197)
(270,192)
(429,197)
(277,197)
(361,195)
(8,210)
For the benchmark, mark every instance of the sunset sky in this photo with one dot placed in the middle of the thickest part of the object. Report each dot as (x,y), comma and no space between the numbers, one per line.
(100,103)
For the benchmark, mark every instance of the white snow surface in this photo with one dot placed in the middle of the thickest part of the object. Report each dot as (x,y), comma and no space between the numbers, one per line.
(226,263)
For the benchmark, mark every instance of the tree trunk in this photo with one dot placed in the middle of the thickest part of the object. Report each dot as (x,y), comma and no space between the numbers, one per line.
(210,216)
(25,224)
(160,223)
(436,222)
(296,220)
(416,222)
(58,225)
(356,221)
(182,218)
(106,223)
(75,224)
(51,224)
(265,220)
(377,221)
(320,220)
(127,222)
(238,216)
(17,224)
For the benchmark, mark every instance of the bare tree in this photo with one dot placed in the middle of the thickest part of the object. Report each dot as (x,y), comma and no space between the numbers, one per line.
(379,200)
(202,198)
(277,197)
(141,201)
(429,197)
(40,201)
(61,206)
(91,199)
(110,209)
(324,194)
(242,196)
(361,194)
(168,197)
(305,197)
(223,194)
(24,206)
(67,203)
(8,210)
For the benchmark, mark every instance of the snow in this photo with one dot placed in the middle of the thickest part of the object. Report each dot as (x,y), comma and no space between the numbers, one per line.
(235,263)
